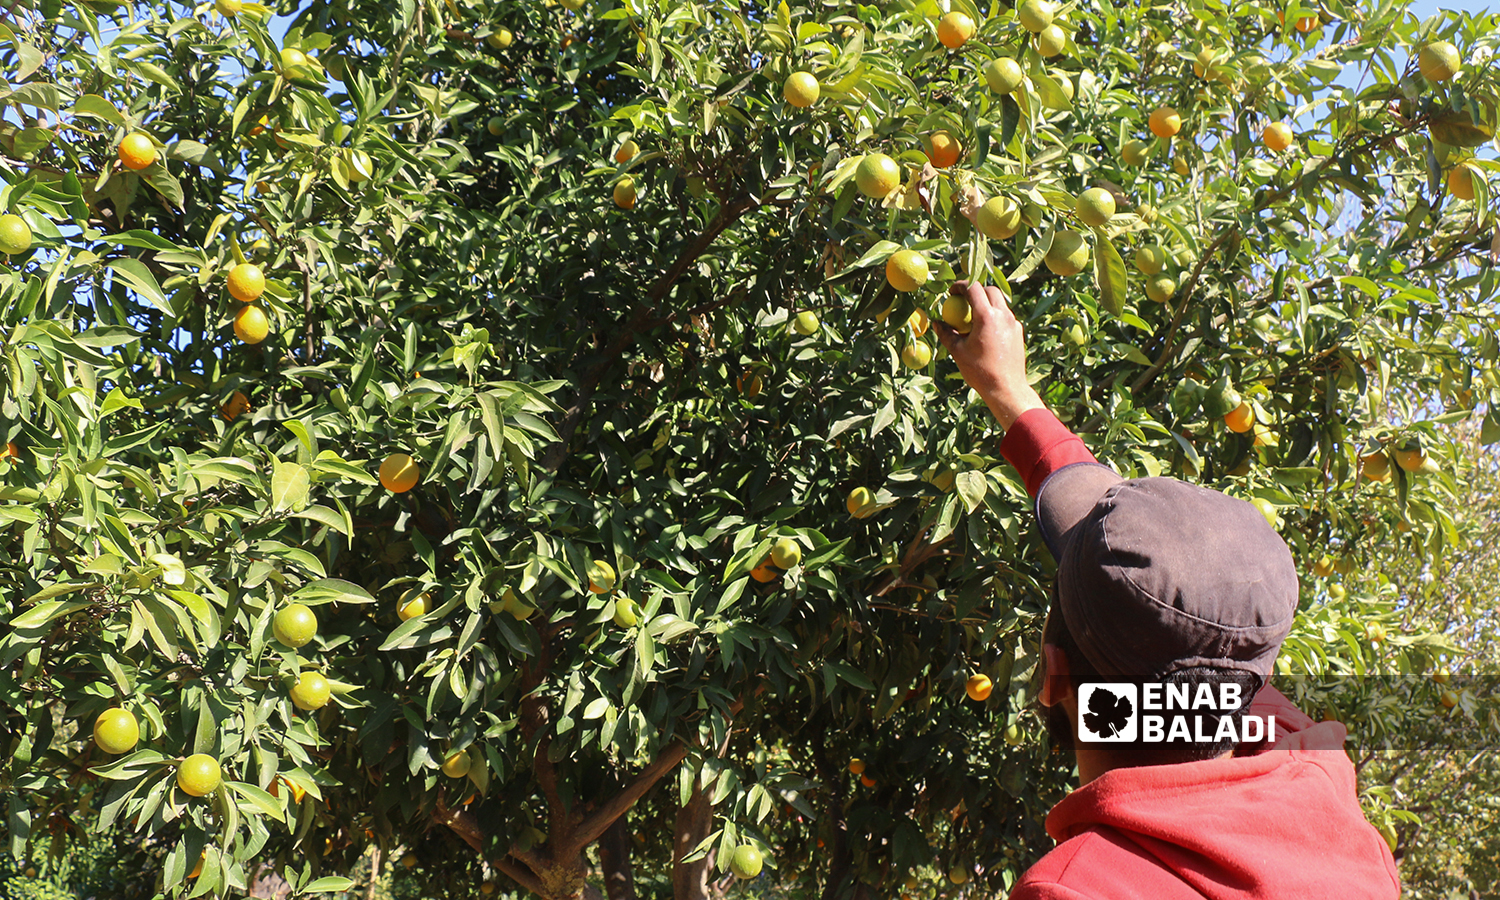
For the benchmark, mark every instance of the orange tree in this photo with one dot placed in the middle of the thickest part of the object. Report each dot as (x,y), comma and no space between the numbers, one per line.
(505,441)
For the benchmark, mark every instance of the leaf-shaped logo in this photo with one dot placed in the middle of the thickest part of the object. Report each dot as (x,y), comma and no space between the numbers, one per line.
(1108,715)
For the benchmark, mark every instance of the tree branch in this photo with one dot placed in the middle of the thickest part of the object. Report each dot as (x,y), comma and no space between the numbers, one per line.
(600,819)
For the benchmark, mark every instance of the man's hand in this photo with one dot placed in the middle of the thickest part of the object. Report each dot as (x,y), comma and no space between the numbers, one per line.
(992,356)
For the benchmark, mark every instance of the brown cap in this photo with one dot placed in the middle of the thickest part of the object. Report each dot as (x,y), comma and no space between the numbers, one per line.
(1156,575)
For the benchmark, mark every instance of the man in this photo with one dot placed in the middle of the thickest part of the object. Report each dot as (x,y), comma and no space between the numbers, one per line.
(1172,590)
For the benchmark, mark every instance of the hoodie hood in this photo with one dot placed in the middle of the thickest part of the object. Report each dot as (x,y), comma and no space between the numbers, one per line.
(1280,820)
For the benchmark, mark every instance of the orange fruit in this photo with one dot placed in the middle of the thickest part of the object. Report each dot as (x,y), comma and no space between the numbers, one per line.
(857,766)
(413,603)
(237,404)
(311,691)
(958,314)
(1438,61)
(15,235)
(500,38)
(399,473)
(998,219)
(1134,153)
(877,175)
(916,355)
(867,781)
(199,774)
(1323,567)
(1461,181)
(801,89)
(1035,15)
(198,868)
(1376,466)
(764,573)
(1449,699)
(10,450)
(861,503)
(955,29)
(1161,288)
(137,151)
(1150,258)
(294,625)
(1277,136)
(229,8)
(945,150)
(750,384)
(1095,206)
(1051,41)
(251,324)
(1240,419)
(786,553)
(906,270)
(1410,458)
(625,194)
(1003,74)
(628,151)
(116,731)
(1165,122)
(978,687)
(602,577)
(457,764)
(1308,23)
(246,282)
(1068,254)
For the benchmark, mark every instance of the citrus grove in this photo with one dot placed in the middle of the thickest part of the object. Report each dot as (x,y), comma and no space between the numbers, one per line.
(505,444)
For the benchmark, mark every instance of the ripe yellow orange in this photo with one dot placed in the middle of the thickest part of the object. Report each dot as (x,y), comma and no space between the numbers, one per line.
(1438,61)
(1449,699)
(1461,181)
(294,625)
(1442,676)
(601,577)
(409,861)
(998,219)
(1240,419)
(413,603)
(627,151)
(1376,466)
(867,781)
(1068,254)
(978,687)
(1308,23)
(198,868)
(917,322)
(906,270)
(861,503)
(625,193)
(1323,567)
(235,406)
(399,473)
(1003,74)
(199,774)
(857,766)
(955,29)
(958,314)
(229,8)
(750,384)
(1165,122)
(116,731)
(500,38)
(764,573)
(1095,206)
(1410,458)
(877,175)
(627,612)
(251,324)
(137,151)
(805,323)
(916,355)
(1277,136)
(801,89)
(945,150)
(246,282)
(15,235)
(311,691)
(457,764)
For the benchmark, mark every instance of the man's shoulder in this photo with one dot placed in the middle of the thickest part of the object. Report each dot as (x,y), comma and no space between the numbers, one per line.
(1102,863)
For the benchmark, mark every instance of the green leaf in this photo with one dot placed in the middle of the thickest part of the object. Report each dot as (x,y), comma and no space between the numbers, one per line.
(135,274)
(1109,273)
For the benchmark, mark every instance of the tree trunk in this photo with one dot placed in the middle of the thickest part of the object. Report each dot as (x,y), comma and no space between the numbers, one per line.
(690,879)
(614,859)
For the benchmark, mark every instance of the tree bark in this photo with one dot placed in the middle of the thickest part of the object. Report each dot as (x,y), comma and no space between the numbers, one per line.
(614,859)
(690,879)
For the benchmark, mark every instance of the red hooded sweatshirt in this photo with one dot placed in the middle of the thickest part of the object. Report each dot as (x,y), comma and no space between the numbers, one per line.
(1278,820)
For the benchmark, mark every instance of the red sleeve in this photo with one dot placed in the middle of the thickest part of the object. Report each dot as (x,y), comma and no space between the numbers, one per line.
(1037,444)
